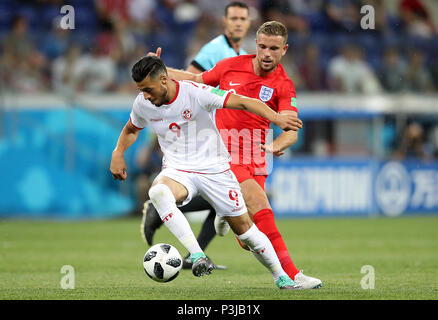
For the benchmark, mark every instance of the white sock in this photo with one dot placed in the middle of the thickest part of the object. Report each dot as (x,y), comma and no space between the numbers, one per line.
(263,250)
(164,201)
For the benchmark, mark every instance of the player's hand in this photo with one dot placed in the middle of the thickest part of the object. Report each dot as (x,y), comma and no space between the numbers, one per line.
(271,149)
(118,167)
(288,122)
(156,53)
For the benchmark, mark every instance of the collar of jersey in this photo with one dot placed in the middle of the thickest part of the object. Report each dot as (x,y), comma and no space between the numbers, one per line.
(273,74)
(176,94)
(230,45)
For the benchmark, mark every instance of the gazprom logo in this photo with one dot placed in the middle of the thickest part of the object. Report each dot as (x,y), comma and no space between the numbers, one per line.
(393,189)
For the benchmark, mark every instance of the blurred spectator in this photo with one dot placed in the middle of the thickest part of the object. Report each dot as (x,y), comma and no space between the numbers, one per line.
(418,78)
(106,39)
(22,65)
(176,20)
(342,15)
(292,70)
(393,71)
(124,78)
(311,69)
(283,11)
(17,41)
(349,72)
(434,71)
(113,9)
(97,72)
(27,75)
(416,18)
(307,7)
(56,42)
(141,15)
(434,140)
(412,144)
(66,71)
(128,26)
(117,42)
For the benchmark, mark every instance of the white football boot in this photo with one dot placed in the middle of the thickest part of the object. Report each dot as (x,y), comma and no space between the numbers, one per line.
(307,282)
(221,226)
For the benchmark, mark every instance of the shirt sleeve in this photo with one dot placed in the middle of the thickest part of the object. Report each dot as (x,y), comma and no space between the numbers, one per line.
(205,57)
(287,99)
(136,117)
(211,98)
(213,76)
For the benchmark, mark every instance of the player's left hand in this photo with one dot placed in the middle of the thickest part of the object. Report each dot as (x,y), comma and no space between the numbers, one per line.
(271,149)
(288,122)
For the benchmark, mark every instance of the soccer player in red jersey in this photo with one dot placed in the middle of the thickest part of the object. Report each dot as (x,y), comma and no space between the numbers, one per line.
(262,77)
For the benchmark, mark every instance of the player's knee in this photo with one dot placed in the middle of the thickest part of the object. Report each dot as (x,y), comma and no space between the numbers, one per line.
(240,224)
(255,205)
(160,193)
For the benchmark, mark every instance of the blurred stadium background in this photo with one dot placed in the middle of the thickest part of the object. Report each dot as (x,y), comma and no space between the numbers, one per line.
(368,99)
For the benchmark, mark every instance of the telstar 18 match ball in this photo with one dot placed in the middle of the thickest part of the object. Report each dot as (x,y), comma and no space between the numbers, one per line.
(162,262)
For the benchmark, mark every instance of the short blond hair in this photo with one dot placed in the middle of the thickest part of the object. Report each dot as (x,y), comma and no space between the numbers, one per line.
(273,28)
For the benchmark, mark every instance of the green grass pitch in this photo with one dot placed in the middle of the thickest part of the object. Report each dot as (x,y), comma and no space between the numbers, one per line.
(107,259)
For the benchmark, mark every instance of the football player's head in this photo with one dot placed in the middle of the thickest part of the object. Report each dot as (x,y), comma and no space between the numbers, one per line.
(150,76)
(271,44)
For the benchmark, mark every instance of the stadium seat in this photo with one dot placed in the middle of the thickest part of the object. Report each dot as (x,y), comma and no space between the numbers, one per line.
(86,18)
(32,15)
(48,16)
(84,38)
(6,15)
(317,21)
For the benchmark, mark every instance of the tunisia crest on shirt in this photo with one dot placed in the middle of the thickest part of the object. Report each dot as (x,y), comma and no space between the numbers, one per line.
(266,93)
(187,114)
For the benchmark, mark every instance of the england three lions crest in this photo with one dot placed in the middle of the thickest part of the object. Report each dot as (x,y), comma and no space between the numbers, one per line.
(266,93)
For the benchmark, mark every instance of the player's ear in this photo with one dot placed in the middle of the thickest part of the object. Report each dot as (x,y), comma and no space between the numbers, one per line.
(286,46)
(163,79)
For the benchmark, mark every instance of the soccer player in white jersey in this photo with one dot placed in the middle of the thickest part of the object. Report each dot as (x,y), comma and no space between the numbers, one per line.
(195,159)
(236,23)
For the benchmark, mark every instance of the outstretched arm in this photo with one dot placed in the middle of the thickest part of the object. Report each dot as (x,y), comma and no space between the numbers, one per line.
(284,121)
(127,137)
(179,74)
(184,75)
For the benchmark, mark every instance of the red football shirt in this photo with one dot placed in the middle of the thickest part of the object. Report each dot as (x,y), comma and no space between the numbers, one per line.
(242,131)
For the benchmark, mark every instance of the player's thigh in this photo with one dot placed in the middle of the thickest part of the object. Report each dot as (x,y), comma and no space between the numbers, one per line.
(223,192)
(254,196)
(179,191)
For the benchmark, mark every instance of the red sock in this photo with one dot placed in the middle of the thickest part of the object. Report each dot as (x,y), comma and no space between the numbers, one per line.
(264,220)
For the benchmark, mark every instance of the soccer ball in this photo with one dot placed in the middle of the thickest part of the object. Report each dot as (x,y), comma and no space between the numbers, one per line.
(162,262)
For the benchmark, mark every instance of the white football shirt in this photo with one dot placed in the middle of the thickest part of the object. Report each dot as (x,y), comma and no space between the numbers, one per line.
(186,127)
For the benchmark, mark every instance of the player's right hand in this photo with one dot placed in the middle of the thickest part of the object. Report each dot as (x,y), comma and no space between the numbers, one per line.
(118,167)
(156,53)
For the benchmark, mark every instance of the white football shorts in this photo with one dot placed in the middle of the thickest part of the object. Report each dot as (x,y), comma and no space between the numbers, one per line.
(221,190)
